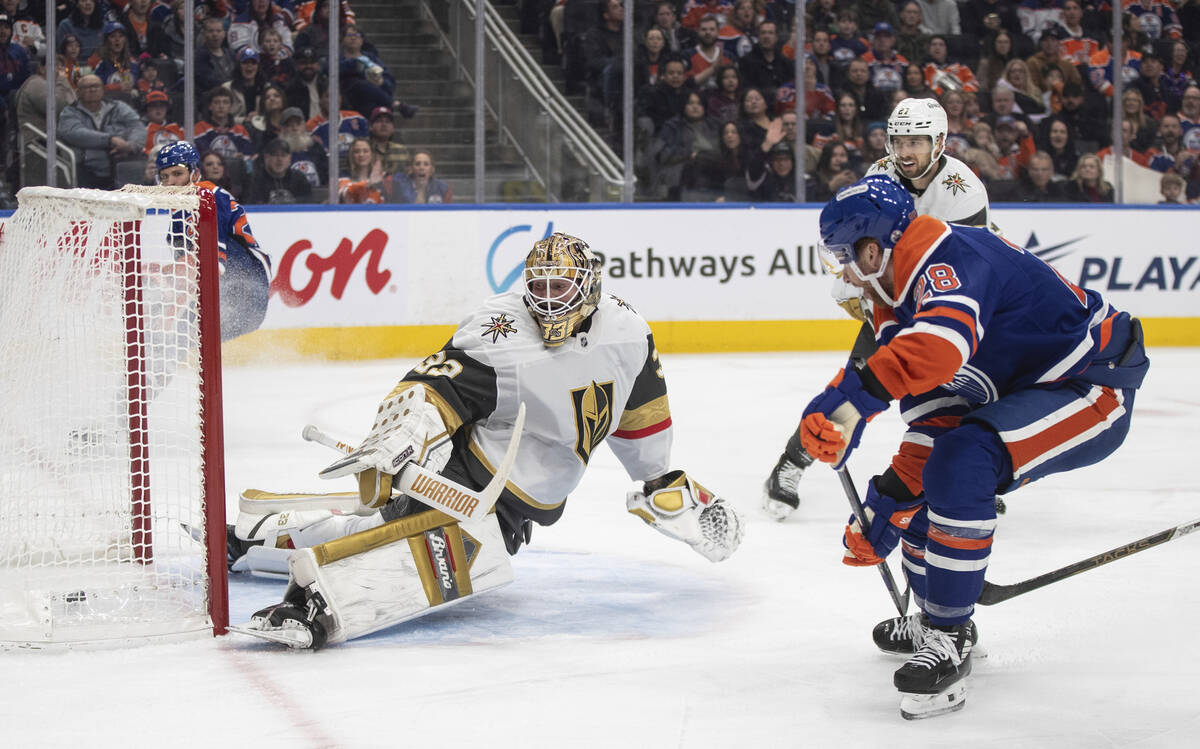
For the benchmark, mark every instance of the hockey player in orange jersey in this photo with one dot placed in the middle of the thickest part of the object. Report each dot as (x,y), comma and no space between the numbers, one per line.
(245,268)
(1006,373)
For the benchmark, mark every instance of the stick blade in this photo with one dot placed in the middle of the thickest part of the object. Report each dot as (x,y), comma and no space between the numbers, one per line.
(492,491)
(346,465)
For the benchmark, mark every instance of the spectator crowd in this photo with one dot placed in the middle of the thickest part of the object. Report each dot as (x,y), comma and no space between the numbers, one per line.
(1027,86)
(262,109)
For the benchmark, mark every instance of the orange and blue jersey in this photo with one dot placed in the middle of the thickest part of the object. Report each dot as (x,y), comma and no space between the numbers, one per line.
(1100,70)
(228,142)
(234,238)
(1157,18)
(160,135)
(886,75)
(980,317)
(1006,373)
(352,125)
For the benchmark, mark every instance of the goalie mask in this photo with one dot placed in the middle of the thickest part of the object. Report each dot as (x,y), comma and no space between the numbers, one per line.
(562,286)
(919,117)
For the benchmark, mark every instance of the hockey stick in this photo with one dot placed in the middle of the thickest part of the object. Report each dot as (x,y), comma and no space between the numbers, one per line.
(422,484)
(889,582)
(997,593)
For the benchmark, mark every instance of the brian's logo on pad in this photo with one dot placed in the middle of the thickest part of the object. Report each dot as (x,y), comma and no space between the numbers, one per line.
(442,564)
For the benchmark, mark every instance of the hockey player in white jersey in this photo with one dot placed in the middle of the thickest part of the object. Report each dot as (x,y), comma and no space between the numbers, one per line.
(585,368)
(941,186)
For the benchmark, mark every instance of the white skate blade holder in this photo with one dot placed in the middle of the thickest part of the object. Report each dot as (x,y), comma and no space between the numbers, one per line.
(921,706)
(294,637)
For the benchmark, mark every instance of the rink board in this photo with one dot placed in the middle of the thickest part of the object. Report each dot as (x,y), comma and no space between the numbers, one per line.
(381,281)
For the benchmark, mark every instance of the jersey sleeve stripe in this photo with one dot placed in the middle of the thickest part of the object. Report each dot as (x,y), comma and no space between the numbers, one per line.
(962,318)
(954,337)
(968,308)
(649,414)
(634,434)
(918,438)
(916,363)
(919,410)
(939,422)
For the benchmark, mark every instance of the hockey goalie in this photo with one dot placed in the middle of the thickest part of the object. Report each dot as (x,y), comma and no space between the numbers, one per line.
(580,364)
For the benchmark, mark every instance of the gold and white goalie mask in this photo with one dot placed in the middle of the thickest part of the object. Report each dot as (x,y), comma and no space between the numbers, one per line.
(562,286)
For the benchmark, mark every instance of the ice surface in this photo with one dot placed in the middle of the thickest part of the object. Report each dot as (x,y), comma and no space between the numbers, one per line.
(615,636)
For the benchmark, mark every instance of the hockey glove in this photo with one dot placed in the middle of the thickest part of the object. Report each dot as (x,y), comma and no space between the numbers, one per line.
(888,518)
(407,428)
(680,508)
(833,422)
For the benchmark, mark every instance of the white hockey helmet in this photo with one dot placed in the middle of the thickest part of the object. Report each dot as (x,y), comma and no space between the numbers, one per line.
(920,117)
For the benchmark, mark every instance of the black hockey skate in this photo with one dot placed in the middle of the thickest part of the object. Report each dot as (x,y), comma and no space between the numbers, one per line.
(904,635)
(781,494)
(296,622)
(933,680)
(236,548)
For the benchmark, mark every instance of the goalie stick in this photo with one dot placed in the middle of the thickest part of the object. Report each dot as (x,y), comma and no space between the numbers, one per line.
(996,593)
(889,582)
(422,484)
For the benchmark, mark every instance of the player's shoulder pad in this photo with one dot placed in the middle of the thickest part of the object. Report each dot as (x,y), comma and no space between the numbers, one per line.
(501,322)
(615,319)
(883,166)
(957,179)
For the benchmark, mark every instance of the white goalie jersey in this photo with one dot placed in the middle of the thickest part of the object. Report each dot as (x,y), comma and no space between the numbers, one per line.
(956,195)
(602,385)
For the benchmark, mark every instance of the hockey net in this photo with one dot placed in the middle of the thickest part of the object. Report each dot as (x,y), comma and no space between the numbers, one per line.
(112,518)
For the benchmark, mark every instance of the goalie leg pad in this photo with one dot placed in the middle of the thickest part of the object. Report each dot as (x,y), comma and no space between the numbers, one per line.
(300,528)
(684,510)
(401,570)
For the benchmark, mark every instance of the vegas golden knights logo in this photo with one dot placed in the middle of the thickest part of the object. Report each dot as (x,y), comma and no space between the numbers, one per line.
(593,416)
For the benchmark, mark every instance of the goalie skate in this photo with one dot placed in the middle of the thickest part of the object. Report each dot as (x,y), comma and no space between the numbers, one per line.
(294,622)
(297,637)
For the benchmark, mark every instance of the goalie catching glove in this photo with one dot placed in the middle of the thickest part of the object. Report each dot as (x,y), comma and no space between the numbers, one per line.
(407,428)
(678,507)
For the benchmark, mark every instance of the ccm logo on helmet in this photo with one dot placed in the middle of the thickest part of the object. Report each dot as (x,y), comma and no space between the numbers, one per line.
(447,496)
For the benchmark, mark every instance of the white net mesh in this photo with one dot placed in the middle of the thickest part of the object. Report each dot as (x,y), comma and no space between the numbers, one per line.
(102,514)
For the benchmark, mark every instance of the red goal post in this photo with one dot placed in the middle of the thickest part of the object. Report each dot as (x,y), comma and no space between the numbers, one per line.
(112,508)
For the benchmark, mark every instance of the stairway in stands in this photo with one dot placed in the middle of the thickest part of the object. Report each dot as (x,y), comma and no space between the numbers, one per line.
(409,44)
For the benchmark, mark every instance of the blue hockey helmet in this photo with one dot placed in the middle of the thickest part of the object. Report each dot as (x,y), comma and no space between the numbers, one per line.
(877,207)
(180,153)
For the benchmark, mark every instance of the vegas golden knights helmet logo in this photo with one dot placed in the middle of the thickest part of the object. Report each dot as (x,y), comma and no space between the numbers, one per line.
(593,417)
